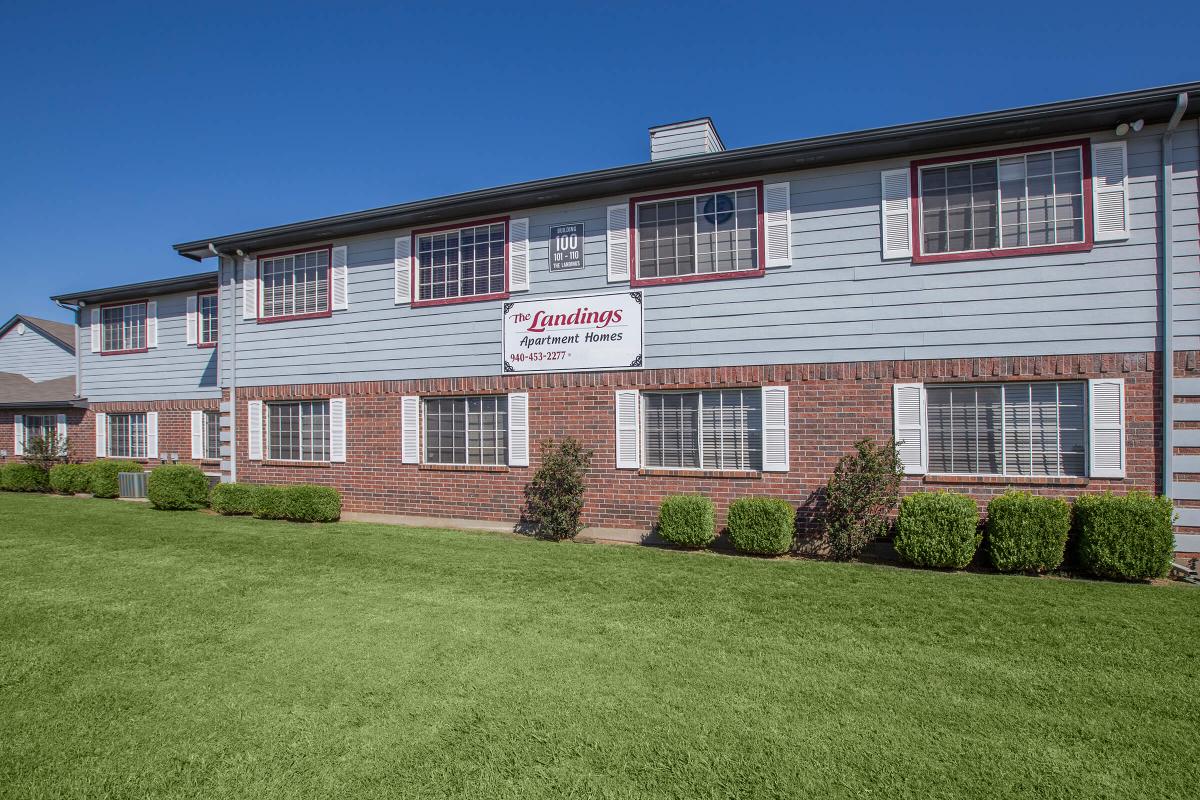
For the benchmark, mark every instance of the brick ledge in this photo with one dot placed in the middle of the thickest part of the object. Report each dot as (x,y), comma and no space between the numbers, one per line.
(1001,480)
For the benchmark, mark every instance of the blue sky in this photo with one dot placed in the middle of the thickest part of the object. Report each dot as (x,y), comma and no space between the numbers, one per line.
(129,127)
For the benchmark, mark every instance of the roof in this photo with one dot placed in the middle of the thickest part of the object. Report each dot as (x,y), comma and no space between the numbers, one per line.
(17,391)
(62,333)
(1050,119)
(133,291)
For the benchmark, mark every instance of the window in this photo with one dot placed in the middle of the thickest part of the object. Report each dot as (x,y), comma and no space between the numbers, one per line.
(124,328)
(298,431)
(206,306)
(466,430)
(212,435)
(40,426)
(719,430)
(1007,202)
(698,235)
(462,263)
(295,284)
(127,435)
(1030,429)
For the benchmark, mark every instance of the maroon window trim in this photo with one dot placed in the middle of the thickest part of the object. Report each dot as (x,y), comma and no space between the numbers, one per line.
(328,312)
(1085,152)
(635,280)
(200,343)
(121,304)
(414,284)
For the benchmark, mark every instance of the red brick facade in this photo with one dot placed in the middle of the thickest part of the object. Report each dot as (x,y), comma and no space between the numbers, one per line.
(80,449)
(174,428)
(831,406)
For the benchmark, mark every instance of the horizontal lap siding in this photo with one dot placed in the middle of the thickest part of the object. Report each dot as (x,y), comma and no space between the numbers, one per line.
(838,301)
(174,370)
(33,355)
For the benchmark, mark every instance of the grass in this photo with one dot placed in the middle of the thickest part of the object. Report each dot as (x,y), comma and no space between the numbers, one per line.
(147,653)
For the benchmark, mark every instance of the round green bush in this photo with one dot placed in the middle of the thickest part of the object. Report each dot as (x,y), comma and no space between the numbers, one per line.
(763,525)
(938,529)
(104,473)
(23,478)
(1126,537)
(306,503)
(687,520)
(177,487)
(270,502)
(70,478)
(232,498)
(1026,532)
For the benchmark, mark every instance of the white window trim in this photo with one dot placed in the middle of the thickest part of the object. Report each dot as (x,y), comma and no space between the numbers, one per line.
(266,431)
(108,439)
(423,431)
(642,397)
(146,342)
(260,285)
(200,341)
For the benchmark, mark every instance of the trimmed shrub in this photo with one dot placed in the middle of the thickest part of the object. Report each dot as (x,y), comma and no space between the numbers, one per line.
(70,478)
(938,529)
(299,503)
(23,478)
(554,495)
(1027,533)
(232,498)
(104,476)
(1128,537)
(177,487)
(860,497)
(764,525)
(687,520)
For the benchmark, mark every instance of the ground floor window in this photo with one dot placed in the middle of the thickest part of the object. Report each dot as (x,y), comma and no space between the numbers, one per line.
(212,435)
(719,429)
(127,435)
(39,426)
(466,430)
(297,431)
(1030,429)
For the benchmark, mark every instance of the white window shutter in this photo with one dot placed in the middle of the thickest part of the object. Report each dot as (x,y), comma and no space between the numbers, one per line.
(254,430)
(518,255)
(628,412)
(410,433)
(61,430)
(909,427)
(896,213)
(1110,197)
(341,280)
(101,434)
(192,325)
(518,429)
(403,271)
(775,429)
(18,434)
(96,333)
(337,430)
(618,243)
(1106,428)
(151,434)
(197,434)
(778,221)
(250,288)
(152,324)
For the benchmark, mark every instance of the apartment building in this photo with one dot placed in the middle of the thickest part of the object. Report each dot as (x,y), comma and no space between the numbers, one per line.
(37,382)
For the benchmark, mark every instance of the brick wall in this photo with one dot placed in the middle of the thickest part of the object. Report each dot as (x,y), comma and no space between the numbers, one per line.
(80,448)
(174,427)
(831,406)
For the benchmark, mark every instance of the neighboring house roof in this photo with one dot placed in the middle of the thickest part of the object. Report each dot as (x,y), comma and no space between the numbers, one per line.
(133,291)
(62,333)
(17,391)
(1030,122)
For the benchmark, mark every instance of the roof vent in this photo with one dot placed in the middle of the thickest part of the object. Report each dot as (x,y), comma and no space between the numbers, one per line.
(693,137)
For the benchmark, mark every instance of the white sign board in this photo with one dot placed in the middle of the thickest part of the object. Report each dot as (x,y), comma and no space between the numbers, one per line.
(570,334)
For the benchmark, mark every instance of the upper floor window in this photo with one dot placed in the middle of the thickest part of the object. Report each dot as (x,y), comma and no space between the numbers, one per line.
(127,435)
(1013,201)
(693,236)
(1028,429)
(124,328)
(466,430)
(719,430)
(295,284)
(467,262)
(298,431)
(206,307)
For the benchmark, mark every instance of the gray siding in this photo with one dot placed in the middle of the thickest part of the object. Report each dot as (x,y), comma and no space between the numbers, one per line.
(691,139)
(839,301)
(174,370)
(33,355)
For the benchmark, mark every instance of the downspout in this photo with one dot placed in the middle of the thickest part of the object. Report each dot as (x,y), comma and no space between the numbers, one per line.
(77,312)
(233,326)
(1168,296)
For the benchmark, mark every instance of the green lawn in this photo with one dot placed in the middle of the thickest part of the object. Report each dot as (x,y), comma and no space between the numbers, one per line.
(147,653)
